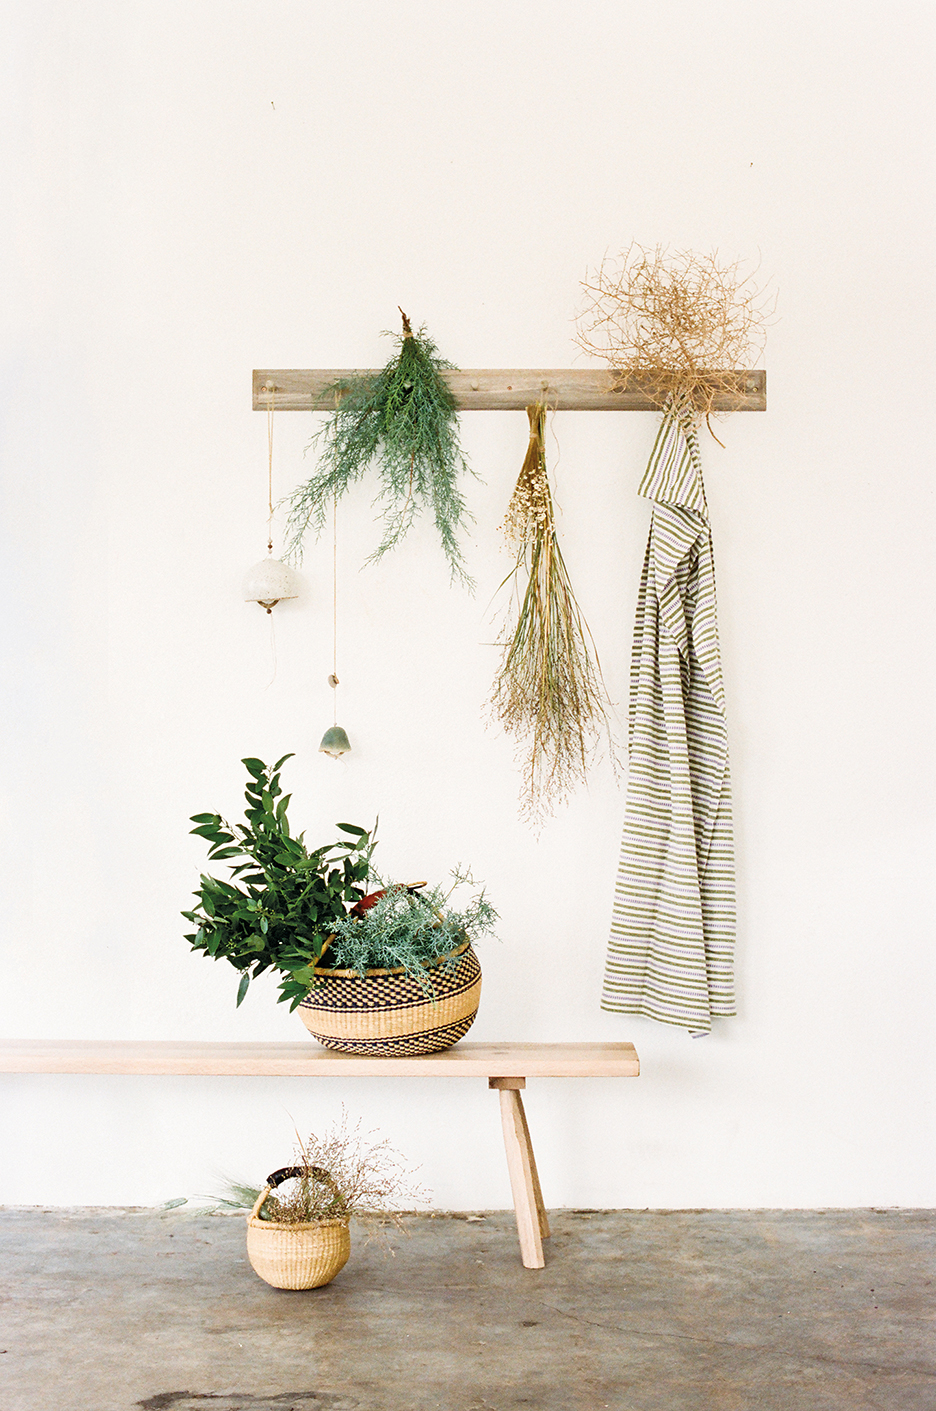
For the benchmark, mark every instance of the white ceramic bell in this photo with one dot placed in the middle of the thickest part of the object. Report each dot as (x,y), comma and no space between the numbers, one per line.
(269,582)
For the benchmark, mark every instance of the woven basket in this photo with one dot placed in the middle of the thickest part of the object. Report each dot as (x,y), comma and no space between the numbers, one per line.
(388,1013)
(295,1256)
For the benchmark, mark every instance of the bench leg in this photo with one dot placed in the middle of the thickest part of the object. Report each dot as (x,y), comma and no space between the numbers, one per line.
(532,1224)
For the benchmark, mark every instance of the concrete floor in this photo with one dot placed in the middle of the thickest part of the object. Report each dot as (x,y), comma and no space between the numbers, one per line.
(109,1309)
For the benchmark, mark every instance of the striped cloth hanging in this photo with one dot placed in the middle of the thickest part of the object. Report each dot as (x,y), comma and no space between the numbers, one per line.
(672,934)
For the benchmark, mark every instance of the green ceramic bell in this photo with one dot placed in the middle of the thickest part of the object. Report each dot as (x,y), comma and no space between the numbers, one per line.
(335,742)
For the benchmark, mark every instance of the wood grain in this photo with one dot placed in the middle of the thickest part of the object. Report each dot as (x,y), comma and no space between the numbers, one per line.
(524,1182)
(498,389)
(308,1060)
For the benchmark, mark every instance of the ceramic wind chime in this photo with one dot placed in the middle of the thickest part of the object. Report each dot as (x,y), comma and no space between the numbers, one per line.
(335,741)
(270,581)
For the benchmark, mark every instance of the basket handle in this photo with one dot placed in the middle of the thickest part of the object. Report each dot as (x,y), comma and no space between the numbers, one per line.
(286,1173)
(255,1213)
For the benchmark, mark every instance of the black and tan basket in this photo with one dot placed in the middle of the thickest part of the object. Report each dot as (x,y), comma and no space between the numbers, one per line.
(304,1256)
(389,1013)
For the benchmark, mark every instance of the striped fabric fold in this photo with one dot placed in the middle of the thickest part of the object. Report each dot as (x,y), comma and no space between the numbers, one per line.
(670,953)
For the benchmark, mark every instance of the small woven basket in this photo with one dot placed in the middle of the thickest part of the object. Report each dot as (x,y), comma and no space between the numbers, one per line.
(389,1013)
(302,1256)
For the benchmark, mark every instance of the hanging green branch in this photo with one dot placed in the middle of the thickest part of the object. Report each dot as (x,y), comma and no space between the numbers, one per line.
(405,419)
(549,691)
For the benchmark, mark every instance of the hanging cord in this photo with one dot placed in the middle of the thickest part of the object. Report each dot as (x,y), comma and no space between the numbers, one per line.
(271,407)
(333,679)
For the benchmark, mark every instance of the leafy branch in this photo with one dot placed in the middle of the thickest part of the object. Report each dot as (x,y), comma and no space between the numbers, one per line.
(283,901)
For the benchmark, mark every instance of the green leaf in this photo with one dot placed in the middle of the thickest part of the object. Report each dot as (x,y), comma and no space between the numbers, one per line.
(205,818)
(256,767)
(352,828)
(244,983)
(280,762)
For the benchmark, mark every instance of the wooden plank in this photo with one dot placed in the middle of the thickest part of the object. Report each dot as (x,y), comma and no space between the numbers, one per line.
(499,389)
(307,1059)
(524,1182)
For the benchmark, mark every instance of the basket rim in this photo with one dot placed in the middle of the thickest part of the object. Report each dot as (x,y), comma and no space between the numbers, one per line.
(254,1222)
(397,970)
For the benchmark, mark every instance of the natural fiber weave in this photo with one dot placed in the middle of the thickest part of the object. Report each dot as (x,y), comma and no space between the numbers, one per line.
(296,1256)
(387,1012)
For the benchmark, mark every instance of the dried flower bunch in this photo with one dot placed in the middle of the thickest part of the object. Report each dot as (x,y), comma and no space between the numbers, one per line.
(339,1174)
(342,1173)
(549,691)
(678,322)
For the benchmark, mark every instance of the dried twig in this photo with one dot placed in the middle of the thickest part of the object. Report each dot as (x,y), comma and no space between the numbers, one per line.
(681,322)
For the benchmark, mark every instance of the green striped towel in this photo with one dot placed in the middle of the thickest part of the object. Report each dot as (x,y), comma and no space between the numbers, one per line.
(672,933)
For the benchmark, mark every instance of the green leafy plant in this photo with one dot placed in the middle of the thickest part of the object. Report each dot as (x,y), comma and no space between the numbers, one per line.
(283,901)
(404,418)
(403,926)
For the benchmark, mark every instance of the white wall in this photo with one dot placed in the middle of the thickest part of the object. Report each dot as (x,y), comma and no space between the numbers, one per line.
(201,189)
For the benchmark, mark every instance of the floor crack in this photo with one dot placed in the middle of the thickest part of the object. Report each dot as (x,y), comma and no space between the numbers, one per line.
(759,1350)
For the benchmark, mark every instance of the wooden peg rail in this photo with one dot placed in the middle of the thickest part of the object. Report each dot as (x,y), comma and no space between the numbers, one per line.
(499,389)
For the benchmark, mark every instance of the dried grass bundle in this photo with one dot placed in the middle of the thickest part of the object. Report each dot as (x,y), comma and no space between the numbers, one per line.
(335,1175)
(549,692)
(679,322)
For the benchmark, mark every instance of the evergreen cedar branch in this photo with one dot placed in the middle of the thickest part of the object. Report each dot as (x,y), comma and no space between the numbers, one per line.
(405,419)
(286,900)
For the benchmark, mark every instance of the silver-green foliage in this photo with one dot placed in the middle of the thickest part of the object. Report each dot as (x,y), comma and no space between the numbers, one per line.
(412,929)
(404,419)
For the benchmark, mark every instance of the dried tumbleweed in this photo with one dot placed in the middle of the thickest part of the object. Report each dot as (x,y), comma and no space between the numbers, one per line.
(676,322)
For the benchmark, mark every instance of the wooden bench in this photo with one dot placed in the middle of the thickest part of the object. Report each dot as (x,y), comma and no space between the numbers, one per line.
(505,1065)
